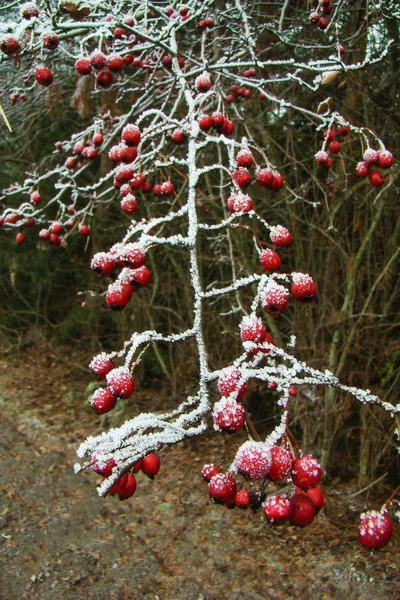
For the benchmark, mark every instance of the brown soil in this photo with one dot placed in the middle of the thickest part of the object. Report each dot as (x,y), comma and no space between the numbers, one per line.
(59,540)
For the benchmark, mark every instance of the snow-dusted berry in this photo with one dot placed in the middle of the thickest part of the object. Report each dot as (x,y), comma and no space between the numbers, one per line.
(376,178)
(50,40)
(277,509)
(83,66)
(270,260)
(131,255)
(222,488)
(102,401)
(281,463)
(102,264)
(306,472)
(43,75)
(208,471)
(129,204)
(362,169)
(203,83)
(242,499)
(265,177)
(371,156)
(228,383)
(303,287)
(101,365)
(240,202)
(245,158)
(385,159)
(120,382)
(241,176)
(102,464)
(280,236)
(323,159)
(228,415)
(252,329)
(253,460)
(375,529)
(274,298)
(277,181)
(131,135)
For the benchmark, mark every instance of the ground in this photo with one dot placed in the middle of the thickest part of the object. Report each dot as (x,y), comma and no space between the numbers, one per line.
(59,540)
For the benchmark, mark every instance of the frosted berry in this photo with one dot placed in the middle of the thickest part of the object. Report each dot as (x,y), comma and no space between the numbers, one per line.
(245,159)
(362,169)
(205,122)
(97,139)
(115,63)
(129,488)
(376,178)
(101,365)
(252,329)
(228,127)
(132,256)
(118,295)
(241,177)
(371,156)
(228,415)
(43,76)
(323,159)
(102,465)
(280,236)
(140,277)
(277,509)
(50,40)
(98,60)
(35,198)
(29,10)
(129,204)
(104,79)
(151,464)
(228,383)
(385,159)
(208,471)
(222,488)
(178,136)
(375,529)
(303,287)
(270,260)
(203,83)
(103,401)
(102,264)
(127,153)
(277,181)
(306,472)
(10,46)
(83,66)
(281,463)
(242,499)
(253,460)
(120,382)
(240,202)
(303,511)
(343,131)
(131,135)
(316,496)
(274,298)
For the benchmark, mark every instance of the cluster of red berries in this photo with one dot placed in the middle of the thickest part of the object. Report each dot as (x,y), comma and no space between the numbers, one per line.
(242,91)
(218,121)
(320,16)
(120,384)
(372,160)
(333,144)
(126,485)
(84,150)
(258,463)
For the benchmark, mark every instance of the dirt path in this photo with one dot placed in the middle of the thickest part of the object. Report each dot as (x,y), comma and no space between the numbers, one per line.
(59,540)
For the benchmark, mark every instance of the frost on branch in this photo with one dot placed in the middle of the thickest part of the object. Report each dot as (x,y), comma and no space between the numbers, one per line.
(170,158)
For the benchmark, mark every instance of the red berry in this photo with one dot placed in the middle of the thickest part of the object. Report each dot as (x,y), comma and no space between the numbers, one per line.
(334,147)
(20,237)
(10,46)
(55,239)
(385,159)
(137,467)
(35,198)
(375,529)
(119,33)
(129,488)
(120,382)
(203,83)
(228,415)
(83,66)
(44,234)
(208,471)
(102,264)
(362,169)
(178,136)
(343,131)
(98,60)
(280,236)
(102,465)
(43,76)
(323,159)
(217,119)
(131,255)
(242,177)
(104,79)
(228,127)
(270,260)
(371,156)
(314,18)
(306,472)
(222,488)
(140,277)
(316,496)
(228,383)
(303,511)
(131,135)
(101,365)
(103,401)
(71,163)
(127,154)
(56,228)
(205,122)
(242,499)
(265,177)
(84,230)
(115,63)
(97,139)
(252,329)
(120,484)
(274,298)
(129,204)
(50,40)
(281,463)
(240,202)
(330,135)
(151,464)
(118,295)
(277,181)
(323,23)
(245,158)
(277,509)
(253,460)
(376,178)
(303,286)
